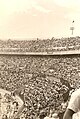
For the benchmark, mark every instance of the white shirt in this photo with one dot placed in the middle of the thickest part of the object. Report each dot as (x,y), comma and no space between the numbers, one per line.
(74,104)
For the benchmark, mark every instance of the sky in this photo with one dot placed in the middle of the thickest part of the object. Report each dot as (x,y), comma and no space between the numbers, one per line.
(24,19)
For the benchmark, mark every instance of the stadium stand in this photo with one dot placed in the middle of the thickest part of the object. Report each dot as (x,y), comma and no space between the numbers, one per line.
(42,81)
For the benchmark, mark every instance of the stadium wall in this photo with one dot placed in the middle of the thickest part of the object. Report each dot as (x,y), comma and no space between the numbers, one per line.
(71,52)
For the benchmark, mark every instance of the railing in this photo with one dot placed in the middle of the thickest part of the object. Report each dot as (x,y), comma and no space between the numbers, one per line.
(41,53)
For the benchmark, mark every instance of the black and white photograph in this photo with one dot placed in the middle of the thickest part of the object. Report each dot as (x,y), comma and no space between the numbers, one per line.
(39,59)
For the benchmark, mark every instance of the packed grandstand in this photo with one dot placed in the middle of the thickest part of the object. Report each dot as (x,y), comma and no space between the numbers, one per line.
(43,82)
(38,45)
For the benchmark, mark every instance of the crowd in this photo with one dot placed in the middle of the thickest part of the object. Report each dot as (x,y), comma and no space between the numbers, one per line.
(42,82)
(38,45)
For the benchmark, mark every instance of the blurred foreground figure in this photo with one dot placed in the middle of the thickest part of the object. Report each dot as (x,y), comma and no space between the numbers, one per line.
(73,109)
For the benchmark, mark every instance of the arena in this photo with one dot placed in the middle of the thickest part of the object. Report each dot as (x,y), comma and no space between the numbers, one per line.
(43,82)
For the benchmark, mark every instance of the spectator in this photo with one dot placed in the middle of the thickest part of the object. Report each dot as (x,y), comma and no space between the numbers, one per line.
(74,105)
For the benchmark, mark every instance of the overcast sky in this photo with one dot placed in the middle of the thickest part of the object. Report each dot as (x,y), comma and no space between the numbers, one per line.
(39,18)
